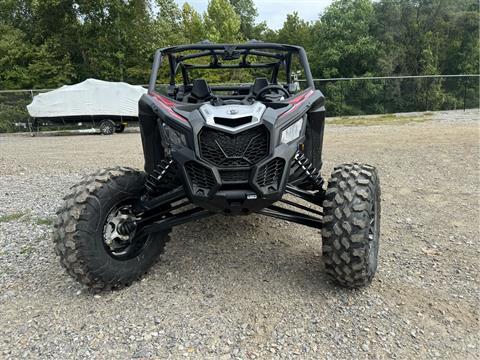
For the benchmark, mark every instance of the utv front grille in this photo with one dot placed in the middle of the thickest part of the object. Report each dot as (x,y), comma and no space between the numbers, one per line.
(235,175)
(234,150)
(270,174)
(200,176)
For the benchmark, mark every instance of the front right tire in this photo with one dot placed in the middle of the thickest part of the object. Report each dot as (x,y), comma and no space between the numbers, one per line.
(86,237)
(351,225)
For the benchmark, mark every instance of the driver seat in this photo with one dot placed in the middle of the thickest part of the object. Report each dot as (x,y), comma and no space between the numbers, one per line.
(200,92)
(258,85)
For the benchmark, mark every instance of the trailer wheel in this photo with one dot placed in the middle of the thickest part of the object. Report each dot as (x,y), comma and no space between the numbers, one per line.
(351,225)
(120,128)
(107,127)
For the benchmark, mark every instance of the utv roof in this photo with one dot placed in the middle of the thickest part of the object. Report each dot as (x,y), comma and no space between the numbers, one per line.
(206,45)
(277,52)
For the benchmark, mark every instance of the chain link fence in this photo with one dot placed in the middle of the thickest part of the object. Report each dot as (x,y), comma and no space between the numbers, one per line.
(345,96)
(397,94)
(13,109)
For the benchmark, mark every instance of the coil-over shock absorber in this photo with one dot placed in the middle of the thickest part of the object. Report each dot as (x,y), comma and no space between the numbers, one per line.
(161,178)
(159,181)
(302,166)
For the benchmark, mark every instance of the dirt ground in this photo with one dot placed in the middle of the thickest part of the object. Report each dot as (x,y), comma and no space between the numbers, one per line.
(253,287)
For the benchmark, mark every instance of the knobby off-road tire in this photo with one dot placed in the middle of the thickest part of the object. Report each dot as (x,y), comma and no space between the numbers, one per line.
(80,227)
(351,225)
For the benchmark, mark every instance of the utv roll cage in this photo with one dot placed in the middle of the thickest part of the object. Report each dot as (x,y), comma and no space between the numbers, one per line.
(178,56)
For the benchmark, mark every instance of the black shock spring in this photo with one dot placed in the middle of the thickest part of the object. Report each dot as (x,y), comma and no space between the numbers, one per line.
(304,165)
(161,178)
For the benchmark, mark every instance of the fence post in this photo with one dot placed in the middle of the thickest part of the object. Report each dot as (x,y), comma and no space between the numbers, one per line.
(384,93)
(341,99)
(464,93)
(427,95)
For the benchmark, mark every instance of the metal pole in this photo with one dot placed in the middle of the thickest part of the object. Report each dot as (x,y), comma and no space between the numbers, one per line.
(464,94)
(341,98)
(384,93)
(427,95)
(157,62)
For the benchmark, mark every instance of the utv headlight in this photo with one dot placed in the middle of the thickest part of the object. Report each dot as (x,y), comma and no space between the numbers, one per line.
(292,132)
(175,137)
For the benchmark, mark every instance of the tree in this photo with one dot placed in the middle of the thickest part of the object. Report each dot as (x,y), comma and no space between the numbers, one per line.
(17,13)
(115,40)
(222,22)
(422,38)
(15,55)
(24,65)
(344,45)
(50,66)
(192,24)
(295,31)
(247,12)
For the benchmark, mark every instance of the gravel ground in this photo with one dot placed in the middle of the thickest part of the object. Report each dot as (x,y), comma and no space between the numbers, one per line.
(253,287)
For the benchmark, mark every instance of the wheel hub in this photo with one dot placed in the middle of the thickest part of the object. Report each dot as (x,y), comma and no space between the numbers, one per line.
(116,241)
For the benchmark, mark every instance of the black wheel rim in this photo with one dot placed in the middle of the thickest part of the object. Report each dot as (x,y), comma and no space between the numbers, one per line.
(122,247)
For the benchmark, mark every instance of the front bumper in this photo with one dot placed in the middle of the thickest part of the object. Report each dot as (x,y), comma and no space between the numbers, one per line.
(235,189)
(235,171)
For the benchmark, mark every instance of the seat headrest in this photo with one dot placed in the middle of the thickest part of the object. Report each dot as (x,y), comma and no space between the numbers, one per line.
(200,89)
(258,85)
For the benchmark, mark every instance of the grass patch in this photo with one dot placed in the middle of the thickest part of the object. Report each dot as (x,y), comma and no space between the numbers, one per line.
(388,119)
(62,133)
(26,249)
(44,221)
(25,217)
(11,217)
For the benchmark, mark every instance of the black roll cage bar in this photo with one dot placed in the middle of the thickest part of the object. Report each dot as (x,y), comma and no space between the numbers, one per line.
(229,52)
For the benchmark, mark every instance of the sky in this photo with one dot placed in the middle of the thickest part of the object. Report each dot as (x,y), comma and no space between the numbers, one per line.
(274,12)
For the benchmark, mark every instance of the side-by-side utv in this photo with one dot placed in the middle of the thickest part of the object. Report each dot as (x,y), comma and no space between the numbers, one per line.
(233,149)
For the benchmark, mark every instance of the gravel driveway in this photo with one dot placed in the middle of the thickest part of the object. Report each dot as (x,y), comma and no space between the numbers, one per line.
(253,287)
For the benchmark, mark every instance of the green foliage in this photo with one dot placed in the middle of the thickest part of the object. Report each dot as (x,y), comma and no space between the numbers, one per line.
(247,12)
(52,42)
(344,45)
(49,43)
(295,31)
(13,110)
(222,23)
(192,24)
